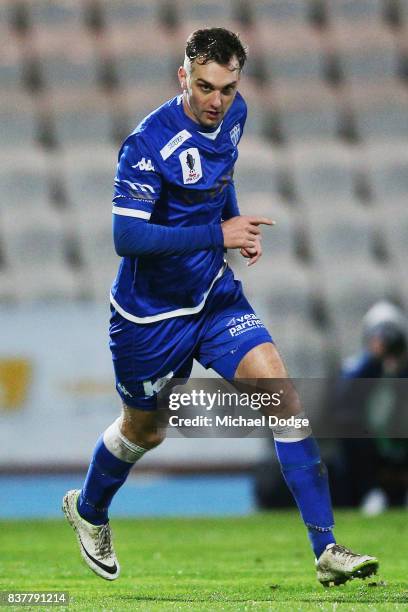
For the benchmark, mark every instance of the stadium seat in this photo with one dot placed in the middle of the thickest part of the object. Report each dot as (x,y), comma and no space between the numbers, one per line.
(51,14)
(11,60)
(324,172)
(142,55)
(350,293)
(97,251)
(92,218)
(24,179)
(257,168)
(89,180)
(394,222)
(138,101)
(380,111)
(258,100)
(67,57)
(307,111)
(81,116)
(35,247)
(89,175)
(339,231)
(305,352)
(282,11)
(138,67)
(18,121)
(388,168)
(291,51)
(366,53)
(33,237)
(4,11)
(403,5)
(208,13)
(8,288)
(352,11)
(287,293)
(128,11)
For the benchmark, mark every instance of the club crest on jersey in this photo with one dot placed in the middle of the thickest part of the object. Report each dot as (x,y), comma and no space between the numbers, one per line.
(235,134)
(191,165)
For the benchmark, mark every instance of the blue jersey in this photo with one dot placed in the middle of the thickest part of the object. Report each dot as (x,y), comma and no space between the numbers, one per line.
(173,172)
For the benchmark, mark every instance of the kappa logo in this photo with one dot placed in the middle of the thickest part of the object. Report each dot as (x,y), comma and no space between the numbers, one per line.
(144,164)
(124,390)
(235,134)
(191,165)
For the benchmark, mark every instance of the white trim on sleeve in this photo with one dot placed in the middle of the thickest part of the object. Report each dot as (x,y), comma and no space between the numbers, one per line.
(131,212)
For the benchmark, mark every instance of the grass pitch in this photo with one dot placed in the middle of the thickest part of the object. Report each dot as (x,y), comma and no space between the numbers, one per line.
(261,562)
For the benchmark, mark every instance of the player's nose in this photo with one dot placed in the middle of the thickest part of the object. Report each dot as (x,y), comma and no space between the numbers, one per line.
(216,101)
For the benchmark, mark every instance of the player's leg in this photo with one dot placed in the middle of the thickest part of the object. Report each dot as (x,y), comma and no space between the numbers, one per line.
(297,450)
(306,475)
(237,345)
(140,428)
(121,445)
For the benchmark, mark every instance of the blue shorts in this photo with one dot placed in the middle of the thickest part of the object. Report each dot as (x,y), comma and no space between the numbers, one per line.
(147,356)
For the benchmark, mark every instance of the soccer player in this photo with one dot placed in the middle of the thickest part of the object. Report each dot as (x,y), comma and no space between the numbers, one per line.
(174,298)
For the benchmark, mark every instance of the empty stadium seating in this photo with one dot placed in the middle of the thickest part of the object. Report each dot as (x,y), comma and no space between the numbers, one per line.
(324,150)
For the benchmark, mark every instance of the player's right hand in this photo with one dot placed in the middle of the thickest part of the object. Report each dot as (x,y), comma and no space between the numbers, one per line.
(241,232)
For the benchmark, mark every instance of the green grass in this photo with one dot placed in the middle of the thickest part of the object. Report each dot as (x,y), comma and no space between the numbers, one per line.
(262,562)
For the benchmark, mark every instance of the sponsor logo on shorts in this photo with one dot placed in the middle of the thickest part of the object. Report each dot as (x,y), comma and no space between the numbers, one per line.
(240,325)
(151,388)
(123,390)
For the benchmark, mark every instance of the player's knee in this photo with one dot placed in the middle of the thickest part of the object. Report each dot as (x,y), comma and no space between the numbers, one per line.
(147,438)
(153,439)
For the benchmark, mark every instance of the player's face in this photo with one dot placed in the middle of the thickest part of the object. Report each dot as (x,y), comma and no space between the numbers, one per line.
(209,90)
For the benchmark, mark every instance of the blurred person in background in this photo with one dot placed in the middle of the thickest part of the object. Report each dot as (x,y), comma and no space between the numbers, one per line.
(175,299)
(372,472)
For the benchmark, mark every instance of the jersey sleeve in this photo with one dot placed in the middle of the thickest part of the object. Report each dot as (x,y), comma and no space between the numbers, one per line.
(243,117)
(231,208)
(137,183)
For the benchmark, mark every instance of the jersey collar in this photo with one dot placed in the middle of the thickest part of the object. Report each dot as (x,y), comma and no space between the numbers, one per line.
(212,135)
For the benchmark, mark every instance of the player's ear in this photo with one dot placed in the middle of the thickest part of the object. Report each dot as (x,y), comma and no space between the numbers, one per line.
(182,77)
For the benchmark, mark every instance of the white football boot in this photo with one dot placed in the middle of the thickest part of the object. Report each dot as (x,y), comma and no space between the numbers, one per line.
(95,541)
(337,564)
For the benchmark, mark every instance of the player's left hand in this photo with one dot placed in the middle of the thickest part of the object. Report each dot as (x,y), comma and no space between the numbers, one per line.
(252,253)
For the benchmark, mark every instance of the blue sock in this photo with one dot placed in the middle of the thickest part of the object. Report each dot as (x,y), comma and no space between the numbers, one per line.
(306,476)
(106,474)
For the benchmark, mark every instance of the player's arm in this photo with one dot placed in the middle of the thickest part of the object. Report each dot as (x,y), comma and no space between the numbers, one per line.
(137,188)
(253,251)
(134,237)
(231,208)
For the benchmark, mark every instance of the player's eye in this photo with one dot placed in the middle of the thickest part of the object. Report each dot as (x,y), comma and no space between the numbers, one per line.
(205,88)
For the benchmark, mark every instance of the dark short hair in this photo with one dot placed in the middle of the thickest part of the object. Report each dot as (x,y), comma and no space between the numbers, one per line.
(215,45)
